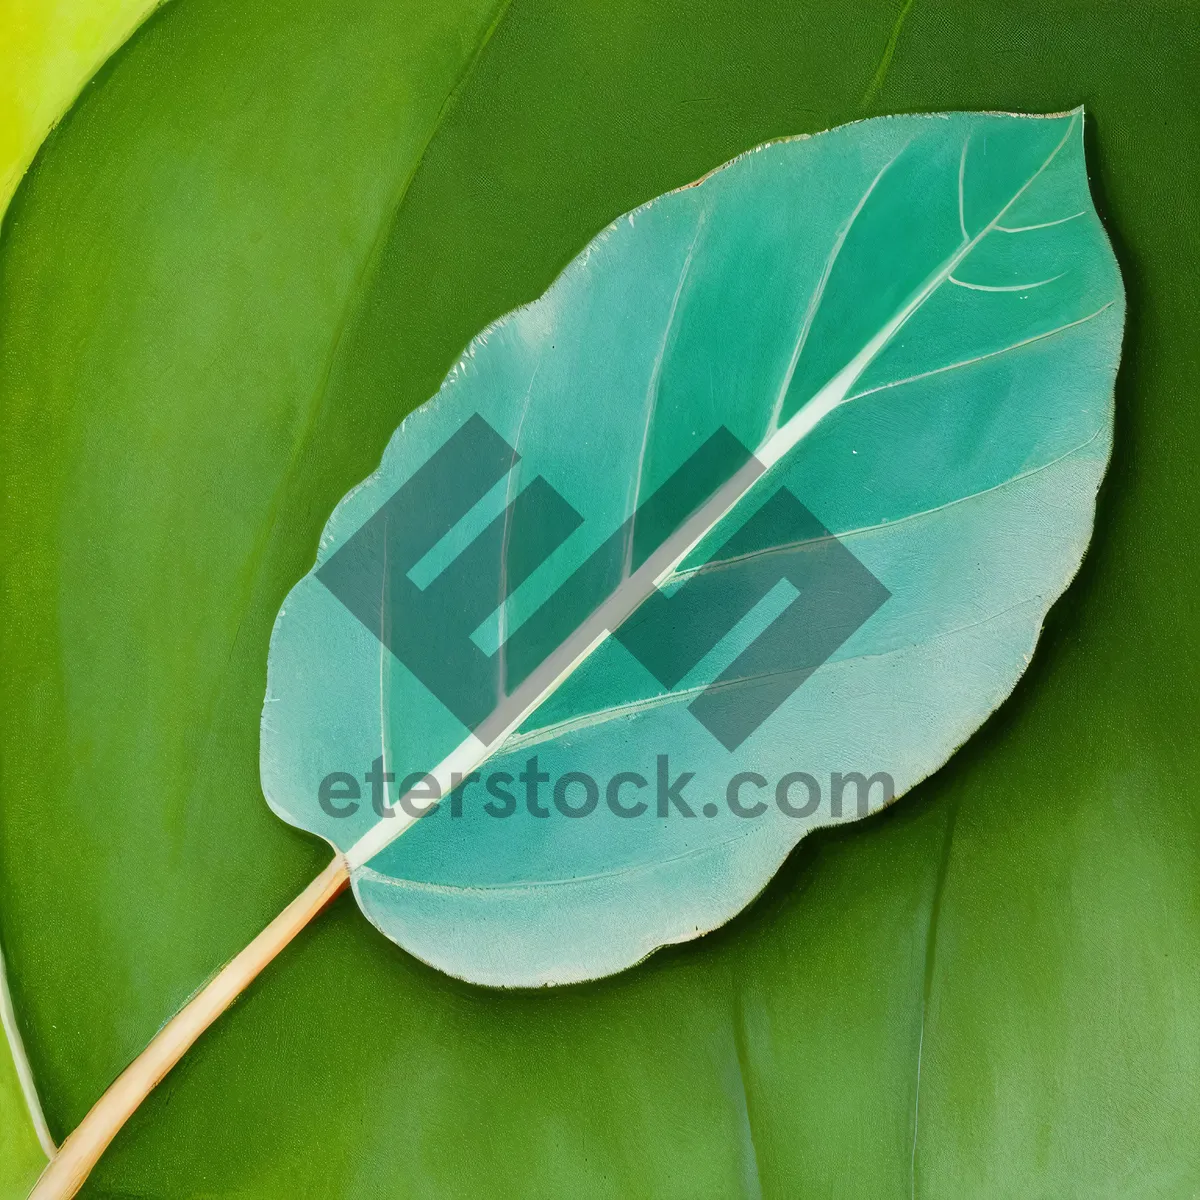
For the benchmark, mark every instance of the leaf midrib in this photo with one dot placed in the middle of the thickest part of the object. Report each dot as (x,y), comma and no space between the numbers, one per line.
(779,443)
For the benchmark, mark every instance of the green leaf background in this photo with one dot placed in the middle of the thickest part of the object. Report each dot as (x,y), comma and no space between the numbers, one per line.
(269,228)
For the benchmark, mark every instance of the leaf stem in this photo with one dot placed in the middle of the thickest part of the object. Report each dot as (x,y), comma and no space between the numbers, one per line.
(65,1173)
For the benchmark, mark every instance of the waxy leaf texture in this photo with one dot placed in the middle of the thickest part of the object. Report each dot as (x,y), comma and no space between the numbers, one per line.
(887,353)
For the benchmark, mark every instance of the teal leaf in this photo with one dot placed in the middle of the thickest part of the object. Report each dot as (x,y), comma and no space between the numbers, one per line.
(914,324)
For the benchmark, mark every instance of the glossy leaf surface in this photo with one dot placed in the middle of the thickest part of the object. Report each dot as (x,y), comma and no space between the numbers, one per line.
(917,322)
(1021,936)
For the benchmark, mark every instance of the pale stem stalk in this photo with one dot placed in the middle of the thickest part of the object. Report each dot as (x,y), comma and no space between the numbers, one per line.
(65,1173)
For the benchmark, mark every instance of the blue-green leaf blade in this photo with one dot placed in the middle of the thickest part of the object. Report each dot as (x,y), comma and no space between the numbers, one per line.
(926,300)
